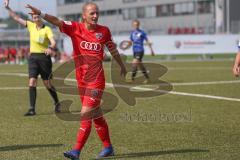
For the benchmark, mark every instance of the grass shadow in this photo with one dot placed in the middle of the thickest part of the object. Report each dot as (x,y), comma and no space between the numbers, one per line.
(25,147)
(155,153)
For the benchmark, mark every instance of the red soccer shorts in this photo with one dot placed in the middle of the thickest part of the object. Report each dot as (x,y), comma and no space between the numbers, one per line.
(90,97)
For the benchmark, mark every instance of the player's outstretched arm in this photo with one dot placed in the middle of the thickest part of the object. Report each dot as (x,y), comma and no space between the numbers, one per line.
(150,46)
(236,67)
(51,19)
(12,14)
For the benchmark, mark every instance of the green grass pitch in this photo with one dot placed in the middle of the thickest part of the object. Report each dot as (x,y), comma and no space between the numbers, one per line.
(202,124)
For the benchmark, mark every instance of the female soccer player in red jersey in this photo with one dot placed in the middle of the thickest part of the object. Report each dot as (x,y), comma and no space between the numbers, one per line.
(88,39)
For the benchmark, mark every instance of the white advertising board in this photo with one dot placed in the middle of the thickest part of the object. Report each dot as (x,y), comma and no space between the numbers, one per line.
(182,44)
(188,44)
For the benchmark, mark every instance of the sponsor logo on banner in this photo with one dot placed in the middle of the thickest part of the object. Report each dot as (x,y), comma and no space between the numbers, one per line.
(178,44)
(193,44)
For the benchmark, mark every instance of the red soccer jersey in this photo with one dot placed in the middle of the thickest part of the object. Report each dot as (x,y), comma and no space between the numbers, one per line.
(88,52)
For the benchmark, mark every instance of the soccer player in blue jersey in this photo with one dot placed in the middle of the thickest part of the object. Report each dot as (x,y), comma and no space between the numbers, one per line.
(137,38)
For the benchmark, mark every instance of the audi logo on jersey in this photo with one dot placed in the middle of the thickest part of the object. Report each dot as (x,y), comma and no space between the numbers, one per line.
(91,46)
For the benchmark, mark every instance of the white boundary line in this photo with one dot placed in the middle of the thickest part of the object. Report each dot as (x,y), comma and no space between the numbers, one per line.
(14,74)
(16,88)
(110,85)
(190,94)
(147,89)
(192,68)
(204,83)
(205,96)
(199,68)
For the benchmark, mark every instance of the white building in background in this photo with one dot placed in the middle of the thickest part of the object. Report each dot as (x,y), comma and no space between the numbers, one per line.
(157,16)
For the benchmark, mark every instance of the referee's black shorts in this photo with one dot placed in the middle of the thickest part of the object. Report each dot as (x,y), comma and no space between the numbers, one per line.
(40,63)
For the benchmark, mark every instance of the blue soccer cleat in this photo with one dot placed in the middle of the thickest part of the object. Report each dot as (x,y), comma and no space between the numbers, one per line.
(106,152)
(73,154)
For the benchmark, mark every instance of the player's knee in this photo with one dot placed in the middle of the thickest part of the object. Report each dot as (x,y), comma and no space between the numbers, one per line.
(88,113)
(99,120)
(32,82)
(135,61)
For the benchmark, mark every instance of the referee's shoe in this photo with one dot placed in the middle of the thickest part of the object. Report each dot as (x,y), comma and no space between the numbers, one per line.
(57,107)
(30,112)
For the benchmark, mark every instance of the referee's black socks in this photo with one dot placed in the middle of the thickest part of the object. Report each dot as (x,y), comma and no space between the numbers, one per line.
(32,97)
(53,93)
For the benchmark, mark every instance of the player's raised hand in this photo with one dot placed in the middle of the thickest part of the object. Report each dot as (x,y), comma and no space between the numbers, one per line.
(6,4)
(125,44)
(33,10)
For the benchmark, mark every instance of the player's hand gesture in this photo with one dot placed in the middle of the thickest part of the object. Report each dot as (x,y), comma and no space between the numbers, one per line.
(33,10)
(236,70)
(6,4)
(124,45)
(49,52)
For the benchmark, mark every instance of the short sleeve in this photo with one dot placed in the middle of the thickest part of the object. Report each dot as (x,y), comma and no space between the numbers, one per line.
(29,25)
(68,27)
(145,36)
(108,35)
(109,41)
(49,33)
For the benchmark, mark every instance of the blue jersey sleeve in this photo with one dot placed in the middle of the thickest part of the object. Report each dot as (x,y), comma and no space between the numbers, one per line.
(145,36)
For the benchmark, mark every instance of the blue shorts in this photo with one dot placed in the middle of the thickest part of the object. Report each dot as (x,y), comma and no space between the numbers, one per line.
(138,55)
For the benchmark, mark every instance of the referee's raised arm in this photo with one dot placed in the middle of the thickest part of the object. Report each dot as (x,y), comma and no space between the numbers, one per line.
(51,19)
(12,14)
